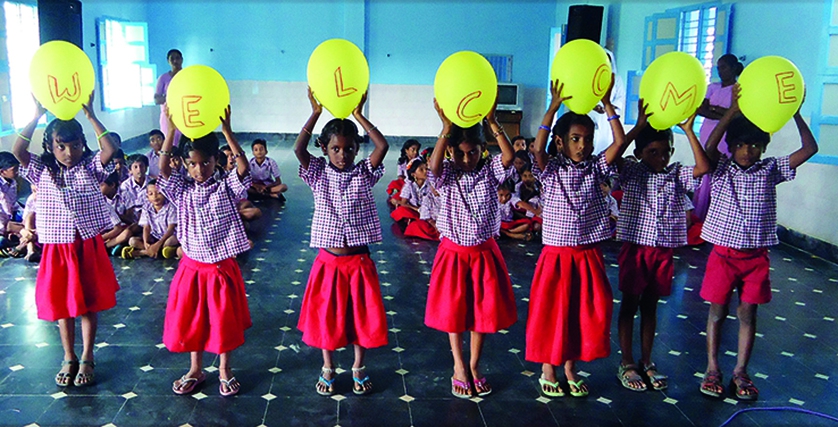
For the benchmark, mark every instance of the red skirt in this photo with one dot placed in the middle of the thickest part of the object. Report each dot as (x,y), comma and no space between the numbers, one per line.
(421,229)
(570,306)
(508,225)
(470,289)
(395,188)
(207,309)
(342,304)
(402,213)
(74,279)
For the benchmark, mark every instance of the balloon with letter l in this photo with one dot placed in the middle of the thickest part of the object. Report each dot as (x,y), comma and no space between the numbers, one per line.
(197,98)
(338,75)
(582,66)
(465,87)
(771,91)
(61,77)
(673,87)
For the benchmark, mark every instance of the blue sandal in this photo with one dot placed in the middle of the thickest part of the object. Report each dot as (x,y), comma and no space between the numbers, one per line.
(359,382)
(328,383)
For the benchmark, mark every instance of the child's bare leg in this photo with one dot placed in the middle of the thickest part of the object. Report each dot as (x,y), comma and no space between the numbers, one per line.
(359,371)
(120,239)
(196,363)
(327,372)
(279,189)
(747,314)
(89,323)
(229,384)
(715,320)
(548,372)
(456,342)
(625,327)
(570,373)
(648,324)
(67,330)
(172,241)
(474,361)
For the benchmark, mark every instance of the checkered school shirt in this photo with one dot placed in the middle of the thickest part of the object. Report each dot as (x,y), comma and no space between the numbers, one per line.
(505,210)
(209,227)
(468,202)
(158,220)
(534,201)
(117,204)
(743,203)
(429,206)
(344,208)
(133,195)
(267,172)
(653,211)
(413,193)
(574,210)
(8,197)
(153,164)
(69,203)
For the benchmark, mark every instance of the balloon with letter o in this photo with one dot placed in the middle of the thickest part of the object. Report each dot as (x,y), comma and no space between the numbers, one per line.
(582,66)
(197,98)
(465,87)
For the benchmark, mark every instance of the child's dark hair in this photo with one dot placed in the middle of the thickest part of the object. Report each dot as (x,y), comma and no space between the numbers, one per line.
(137,158)
(177,151)
(66,130)
(562,128)
(507,185)
(733,62)
(119,154)
(406,146)
(112,180)
(516,138)
(172,52)
(222,160)
(207,145)
(157,132)
(649,135)
(342,127)
(473,134)
(8,160)
(743,130)
(116,138)
(259,141)
(151,181)
(524,156)
(527,193)
(413,166)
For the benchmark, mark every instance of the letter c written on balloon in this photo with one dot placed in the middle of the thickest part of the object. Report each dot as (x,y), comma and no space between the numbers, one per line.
(64,93)
(461,107)
(784,87)
(190,113)
(671,93)
(601,76)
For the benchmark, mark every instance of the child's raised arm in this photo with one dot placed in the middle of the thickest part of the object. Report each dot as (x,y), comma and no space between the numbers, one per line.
(809,146)
(168,146)
(441,146)
(507,153)
(702,163)
(547,123)
(102,135)
(21,146)
(642,122)
(613,152)
(301,144)
(711,146)
(242,166)
(381,144)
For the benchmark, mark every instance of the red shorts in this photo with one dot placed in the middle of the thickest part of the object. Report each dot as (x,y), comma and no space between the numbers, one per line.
(570,306)
(645,269)
(470,289)
(729,269)
(207,308)
(421,229)
(74,279)
(342,304)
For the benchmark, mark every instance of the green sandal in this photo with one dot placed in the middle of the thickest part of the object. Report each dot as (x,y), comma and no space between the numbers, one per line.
(544,383)
(576,388)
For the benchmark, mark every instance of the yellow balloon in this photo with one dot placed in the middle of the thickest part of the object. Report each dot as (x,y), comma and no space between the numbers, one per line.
(338,75)
(61,77)
(584,69)
(673,86)
(465,88)
(197,98)
(771,92)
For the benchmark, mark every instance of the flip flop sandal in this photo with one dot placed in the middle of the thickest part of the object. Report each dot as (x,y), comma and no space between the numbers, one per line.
(64,379)
(578,392)
(482,384)
(628,374)
(328,383)
(128,252)
(228,387)
(85,378)
(659,379)
(543,382)
(455,383)
(187,384)
(743,387)
(360,382)
(712,380)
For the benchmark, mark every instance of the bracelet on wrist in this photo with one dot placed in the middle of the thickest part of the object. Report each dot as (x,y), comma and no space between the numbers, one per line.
(614,117)
(164,153)
(374,127)
(445,136)
(99,138)
(304,130)
(543,127)
(23,137)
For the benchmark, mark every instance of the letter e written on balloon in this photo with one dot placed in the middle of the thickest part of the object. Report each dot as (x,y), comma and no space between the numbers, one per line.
(339,85)
(190,111)
(784,87)
(461,107)
(600,83)
(686,97)
(60,94)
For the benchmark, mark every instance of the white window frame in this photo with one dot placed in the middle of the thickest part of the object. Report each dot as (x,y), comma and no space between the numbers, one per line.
(126,78)
(22,40)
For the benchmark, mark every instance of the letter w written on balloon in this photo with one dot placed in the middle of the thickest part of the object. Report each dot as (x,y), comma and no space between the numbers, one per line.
(461,107)
(785,87)
(339,85)
(59,94)
(190,111)
(687,97)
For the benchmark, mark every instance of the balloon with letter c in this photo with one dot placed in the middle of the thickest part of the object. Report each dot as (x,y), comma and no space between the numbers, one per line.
(197,98)
(673,86)
(61,78)
(465,87)
(582,66)
(338,75)
(771,92)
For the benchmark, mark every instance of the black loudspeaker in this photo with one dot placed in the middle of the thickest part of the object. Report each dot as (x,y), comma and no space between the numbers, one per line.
(584,22)
(60,20)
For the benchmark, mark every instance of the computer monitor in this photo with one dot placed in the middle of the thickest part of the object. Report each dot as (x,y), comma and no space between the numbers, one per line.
(510,97)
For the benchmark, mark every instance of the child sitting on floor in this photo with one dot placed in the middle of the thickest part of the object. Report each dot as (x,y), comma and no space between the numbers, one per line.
(267,181)
(159,221)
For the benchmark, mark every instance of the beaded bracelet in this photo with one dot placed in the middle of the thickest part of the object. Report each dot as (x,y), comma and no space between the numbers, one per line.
(235,156)
(542,127)
(27,139)
(164,153)
(99,138)
(445,136)
(498,133)
(614,117)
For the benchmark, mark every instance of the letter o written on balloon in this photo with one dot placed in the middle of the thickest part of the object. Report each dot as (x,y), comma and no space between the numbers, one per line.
(338,75)
(197,98)
(771,92)
(465,87)
(673,86)
(61,78)
(582,66)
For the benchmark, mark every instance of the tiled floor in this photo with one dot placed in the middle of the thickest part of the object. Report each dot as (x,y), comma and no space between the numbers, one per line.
(794,363)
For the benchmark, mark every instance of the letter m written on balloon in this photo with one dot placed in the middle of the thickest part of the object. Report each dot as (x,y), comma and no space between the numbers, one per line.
(785,87)
(671,94)
(190,111)
(60,94)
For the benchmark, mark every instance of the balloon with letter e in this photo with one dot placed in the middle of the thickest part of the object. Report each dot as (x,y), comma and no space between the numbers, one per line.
(197,98)
(465,87)
(338,75)
(582,66)
(673,87)
(771,91)
(61,77)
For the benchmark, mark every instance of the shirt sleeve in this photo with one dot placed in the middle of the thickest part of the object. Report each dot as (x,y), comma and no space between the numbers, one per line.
(685,176)
(275,170)
(171,217)
(499,172)
(32,173)
(781,170)
(172,187)
(603,169)
(236,185)
(96,167)
(161,85)
(312,175)
(373,174)
(145,218)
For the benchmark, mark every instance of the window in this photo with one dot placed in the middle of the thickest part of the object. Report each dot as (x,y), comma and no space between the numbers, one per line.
(502,64)
(824,91)
(22,40)
(127,78)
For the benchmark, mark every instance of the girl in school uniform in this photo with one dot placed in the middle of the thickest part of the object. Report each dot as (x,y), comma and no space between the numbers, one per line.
(75,278)
(425,226)
(207,308)
(470,288)
(342,304)
(410,198)
(570,299)
(409,151)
